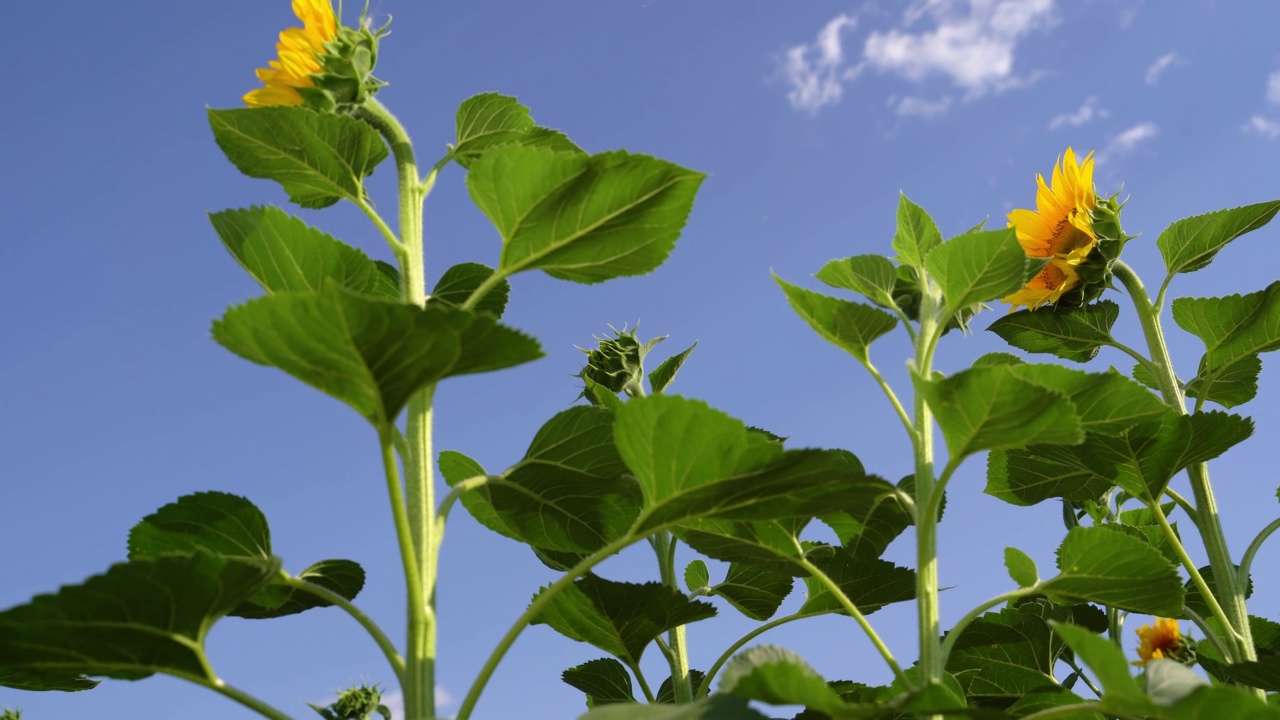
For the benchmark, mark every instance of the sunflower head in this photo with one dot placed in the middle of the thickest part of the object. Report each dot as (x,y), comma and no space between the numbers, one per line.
(617,363)
(1076,233)
(1163,640)
(322,64)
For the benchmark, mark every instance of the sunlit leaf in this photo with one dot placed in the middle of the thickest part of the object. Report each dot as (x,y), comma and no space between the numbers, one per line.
(980,267)
(458,282)
(491,120)
(872,276)
(1105,565)
(713,707)
(849,326)
(917,234)
(754,591)
(1074,334)
(1191,243)
(1022,569)
(1005,654)
(663,375)
(1039,472)
(696,576)
(777,676)
(1230,385)
(1232,327)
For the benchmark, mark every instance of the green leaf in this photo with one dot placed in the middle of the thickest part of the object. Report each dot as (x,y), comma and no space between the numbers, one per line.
(458,282)
(869,583)
(605,681)
(1262,673)
(1195,600)
(1006,655)
(754,591)
(1216,703)
(137,619)
(696,576)
(621,619)
(667,691)
(777,676)
(369,354)
(1039,472)
(1147,456)
(1106,661)
(917,234)
(1213,433)
(664,374)
(343,577)
(1074,334)
(318,158)
(1232,327)
(714,707)
(285,255)
(1106,565)
(868,533)
(772,545)
(1044,700)
(872,276)
(849,326)
(582,218)
(491,120)
(44,682)
(1106,403)
(1230,385)
(976,268)
(993,407)
(1191,243)
(1022,569)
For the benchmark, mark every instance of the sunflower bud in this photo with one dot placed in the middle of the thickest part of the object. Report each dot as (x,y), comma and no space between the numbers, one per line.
(345,79)
(617,363)
(1095,270)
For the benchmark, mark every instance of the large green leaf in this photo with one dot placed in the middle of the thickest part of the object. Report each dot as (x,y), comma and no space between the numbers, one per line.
(343,577)
(458,282)
(1108,566)
(1262,673)
(1074,334)
(917,234)
(491,120)
(754,591)
(1006,655)
(1191,243)
(772,545)
(872,276)
(44,681)
(1232,327)
(318,158)
(284,255)
(713,707)
(137,619)
(978,267)
(1230,385)
(777,676)
(1106,403)
(1040,472)
(605,681)
(993,407)
(370,354)
(870,583)
(868,532)
(849,326)
(582,218)
(619,618)
(1146,457)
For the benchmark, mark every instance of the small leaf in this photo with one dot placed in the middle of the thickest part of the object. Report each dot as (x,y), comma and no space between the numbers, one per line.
(662,376)
(917,234)
(491,120)
(872,276)
(605,681)
(849,326)
(1074,334)
(772,545)
(976,268)
(458,282)
(869,533)
(370,354)
(1191,243)
(1105,565)
(869,583)
(1232,327)
(777,676)
(582,218)
(713,707)
(667,691)
(621,619)
(696,576)
(343,577)
(992,407)
(318,158)
(284,254)
(754,591)
(1231,385)
(1022,569)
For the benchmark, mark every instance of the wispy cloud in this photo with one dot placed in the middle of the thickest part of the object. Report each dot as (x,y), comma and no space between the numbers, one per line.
(395,702)
(1157,68)
(1129,140)
(1087,113)
(1273,88)
(817,71)
(921,107)
(973,42)
(1259,125)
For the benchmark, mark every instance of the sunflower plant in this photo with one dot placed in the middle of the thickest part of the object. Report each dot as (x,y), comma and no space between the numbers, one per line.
(634,464)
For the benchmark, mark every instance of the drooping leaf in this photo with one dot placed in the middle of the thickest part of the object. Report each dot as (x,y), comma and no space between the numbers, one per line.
(318,158)
(1106,565)
(1074,334)
(1022,569)
(665,373)
(619,618)
(582,218)
(137,619)
(458,282)
(1191,243)
(44,681)
(696,576)
(605,681)
(849,326)
(285,255)
(980,267)
(870,584)
(491,120)
(1232,327)
(872,276)
(754,591)
(917,234)
(993,407)
(667,691)
(370,354)
(712,707)
(777,676)
(1195,599)
(1230,385)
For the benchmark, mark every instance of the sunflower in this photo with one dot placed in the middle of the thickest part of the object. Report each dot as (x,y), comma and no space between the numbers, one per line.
(1060,229)
(300,51)
(1161,640)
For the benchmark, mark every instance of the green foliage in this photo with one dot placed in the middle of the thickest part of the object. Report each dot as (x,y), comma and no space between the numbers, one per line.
(359,703)
(1022,569)
(1234,327)
(872,276)
(458,283)
(1106,565)
(605,681)
(490,120)
(714,707)
(869,583)
(1191,244)
(849,326)
(1074,335)
(979,267)
(663,375)
(754,591)
(1006,655)
(318,158)
(917,234)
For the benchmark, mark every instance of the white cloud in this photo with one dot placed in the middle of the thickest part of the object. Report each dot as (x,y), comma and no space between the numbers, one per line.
(1129,140)
(973,42)
(1258,125)
(1273,88)
(395,702)
(1087,113)
(817,71)
(1157,68)
(920,107)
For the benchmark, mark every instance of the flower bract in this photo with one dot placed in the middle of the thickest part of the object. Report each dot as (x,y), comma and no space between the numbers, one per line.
(1161,640)
(300,51)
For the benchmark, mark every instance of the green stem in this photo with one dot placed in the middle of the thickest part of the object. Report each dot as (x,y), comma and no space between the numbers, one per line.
(543,599)
(893,398)
(642,682)
(483,289)
(953,635)
(1190,566)
(1208,632)
(857,615)
(664,546)
(1186,506)
(239,696)
(1210,525)
(1079,671)
(384,643)
(1247,561)
(454,494)
(1115,627)
(926,487)
(727,654)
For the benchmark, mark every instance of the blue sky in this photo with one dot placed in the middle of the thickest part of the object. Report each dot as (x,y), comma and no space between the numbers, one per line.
(810,117)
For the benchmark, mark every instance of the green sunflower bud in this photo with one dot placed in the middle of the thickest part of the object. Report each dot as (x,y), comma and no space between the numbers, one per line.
(345,79)
(617,363)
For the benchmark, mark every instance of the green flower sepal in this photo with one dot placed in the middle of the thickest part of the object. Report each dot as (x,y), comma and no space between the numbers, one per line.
(1096,270)
(346,78)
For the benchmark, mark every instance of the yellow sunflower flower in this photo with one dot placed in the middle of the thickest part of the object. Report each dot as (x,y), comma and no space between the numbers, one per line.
(300,50)
(1059,229)
(1161,640)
